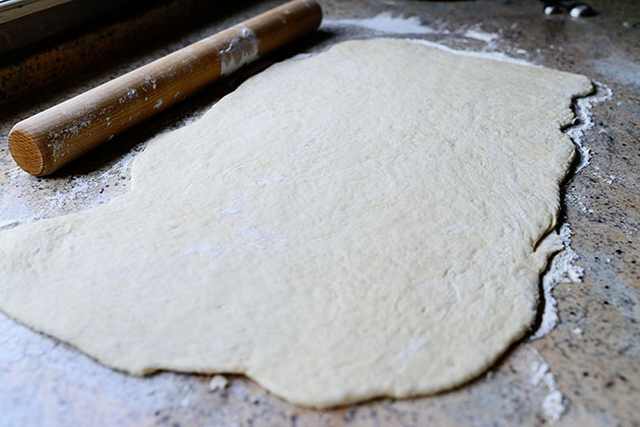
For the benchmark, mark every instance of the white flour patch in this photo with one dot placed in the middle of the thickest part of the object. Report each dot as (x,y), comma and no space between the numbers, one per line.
(554,404)
(584,121)
(240,50)
(150,82)
(497,56)
(56,138)
(86,191)
(478,34)
(218,382)
(608,178)
(578,200)
(564,267)
(21,201)
(385,23)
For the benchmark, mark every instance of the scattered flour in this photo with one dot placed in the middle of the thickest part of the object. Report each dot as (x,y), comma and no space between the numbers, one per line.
(385,23)
(21,201)
(584,121)
(150,82)
(478,34)
(218,382)
(388,24)
(498,56)
(554,404)
(564,266)
(563,269)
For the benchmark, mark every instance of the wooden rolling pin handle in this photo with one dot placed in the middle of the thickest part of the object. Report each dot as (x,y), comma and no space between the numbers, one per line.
(43,143)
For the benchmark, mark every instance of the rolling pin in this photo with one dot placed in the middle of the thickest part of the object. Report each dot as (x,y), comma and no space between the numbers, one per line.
(43,143)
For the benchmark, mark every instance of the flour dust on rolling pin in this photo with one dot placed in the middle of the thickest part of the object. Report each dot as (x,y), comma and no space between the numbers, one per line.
(43,143)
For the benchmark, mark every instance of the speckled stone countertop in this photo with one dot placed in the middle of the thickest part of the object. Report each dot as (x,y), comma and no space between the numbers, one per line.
(590,362)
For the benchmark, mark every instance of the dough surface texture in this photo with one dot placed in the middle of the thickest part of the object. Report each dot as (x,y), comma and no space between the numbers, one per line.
(369,221)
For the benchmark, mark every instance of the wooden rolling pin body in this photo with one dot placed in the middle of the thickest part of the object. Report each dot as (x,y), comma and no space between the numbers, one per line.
(46,141)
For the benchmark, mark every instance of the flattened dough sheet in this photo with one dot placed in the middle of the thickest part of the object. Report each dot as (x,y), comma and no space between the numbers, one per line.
(364,222)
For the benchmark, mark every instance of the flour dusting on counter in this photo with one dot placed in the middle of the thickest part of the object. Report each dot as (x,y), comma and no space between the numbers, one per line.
(24,198)
(584,121)
(385,23)
(564,267)
(554,404)
(477,33)
(496,56)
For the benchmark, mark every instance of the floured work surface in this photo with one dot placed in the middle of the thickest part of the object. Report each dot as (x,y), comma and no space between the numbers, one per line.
(366,222)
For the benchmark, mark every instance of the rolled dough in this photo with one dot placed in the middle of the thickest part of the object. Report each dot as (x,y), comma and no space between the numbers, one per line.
(370,221)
